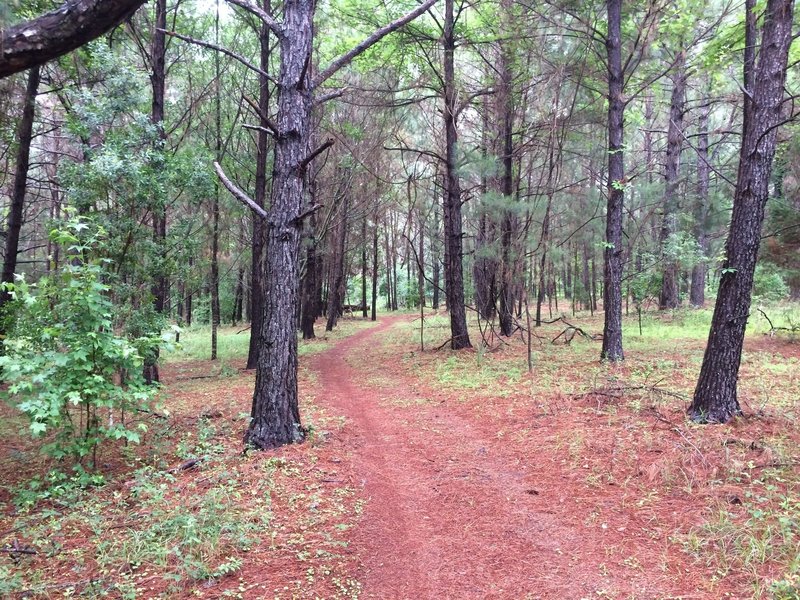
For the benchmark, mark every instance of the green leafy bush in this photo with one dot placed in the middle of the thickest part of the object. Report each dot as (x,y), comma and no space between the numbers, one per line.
(68,371)
(769,284)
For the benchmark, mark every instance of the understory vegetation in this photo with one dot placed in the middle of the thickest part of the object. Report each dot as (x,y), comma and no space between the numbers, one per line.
(186,513)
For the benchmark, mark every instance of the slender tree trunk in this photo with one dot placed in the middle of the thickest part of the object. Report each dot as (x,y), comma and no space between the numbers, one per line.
(435,257)
(506,111)
(421,262)
(158,52)
(612,289)
(214,283)
(715,399)
(336,286)
(238,298)
(454,270)
(697,293)
(309,307)
(364,243)
(258,244)
(17,208)
(670,292)
(374,307)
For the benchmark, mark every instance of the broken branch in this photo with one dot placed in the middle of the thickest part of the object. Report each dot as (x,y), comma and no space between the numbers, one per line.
(238,193)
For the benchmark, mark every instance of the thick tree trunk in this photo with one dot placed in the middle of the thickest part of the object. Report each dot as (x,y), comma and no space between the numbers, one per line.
(715,399)
(17,208)
(697,291)
(454,269)
(612,289)
(258,243)
(275,417)
(670,292)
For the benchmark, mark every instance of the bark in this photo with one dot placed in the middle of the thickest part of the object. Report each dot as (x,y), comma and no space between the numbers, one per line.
(435,257)
(309,307)
(258,243)
(214,283)
(364,242)
(612,271)
(336,286)
(505,112)
(697,292)
(17,207)
(238,297)
(454,270)
(374,307)
(275,415)
(715,399)
(670,293)
(62,30)
(483,270)
(542,287)
(421,262)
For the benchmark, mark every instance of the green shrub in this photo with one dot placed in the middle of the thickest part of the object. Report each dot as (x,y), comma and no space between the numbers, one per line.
(68,371)
(769,284)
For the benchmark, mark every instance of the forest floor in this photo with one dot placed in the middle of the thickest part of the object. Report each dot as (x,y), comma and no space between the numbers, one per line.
(432,474)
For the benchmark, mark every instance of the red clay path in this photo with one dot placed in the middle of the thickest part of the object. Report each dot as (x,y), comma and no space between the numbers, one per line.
(454,513)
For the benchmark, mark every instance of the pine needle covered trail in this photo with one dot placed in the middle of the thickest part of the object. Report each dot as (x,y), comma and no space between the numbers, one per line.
(451,511)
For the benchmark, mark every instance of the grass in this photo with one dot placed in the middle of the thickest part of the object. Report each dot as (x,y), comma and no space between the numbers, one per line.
(233,342)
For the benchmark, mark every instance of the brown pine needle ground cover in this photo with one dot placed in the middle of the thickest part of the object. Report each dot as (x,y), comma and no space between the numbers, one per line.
(264,525)
(438,475)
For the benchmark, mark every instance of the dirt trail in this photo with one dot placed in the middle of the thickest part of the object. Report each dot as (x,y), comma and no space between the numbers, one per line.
(452,514)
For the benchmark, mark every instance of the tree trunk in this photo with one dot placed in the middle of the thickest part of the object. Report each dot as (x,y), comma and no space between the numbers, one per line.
(697,292)
(612,273)
(670,292)
(506,112)
(715,399)
(421,262)
(258,243)
(374,307)
(336,286)
(309,308)
(17,209)
(238,298)
(483,269)
(454,270)
(214,283)
(364,242)
(435,256)
(275,416)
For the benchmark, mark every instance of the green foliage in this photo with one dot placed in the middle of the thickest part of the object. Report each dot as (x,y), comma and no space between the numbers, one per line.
(769,283)
(68,371)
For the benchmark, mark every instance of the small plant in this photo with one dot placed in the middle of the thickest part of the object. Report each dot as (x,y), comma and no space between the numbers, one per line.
(68,371)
